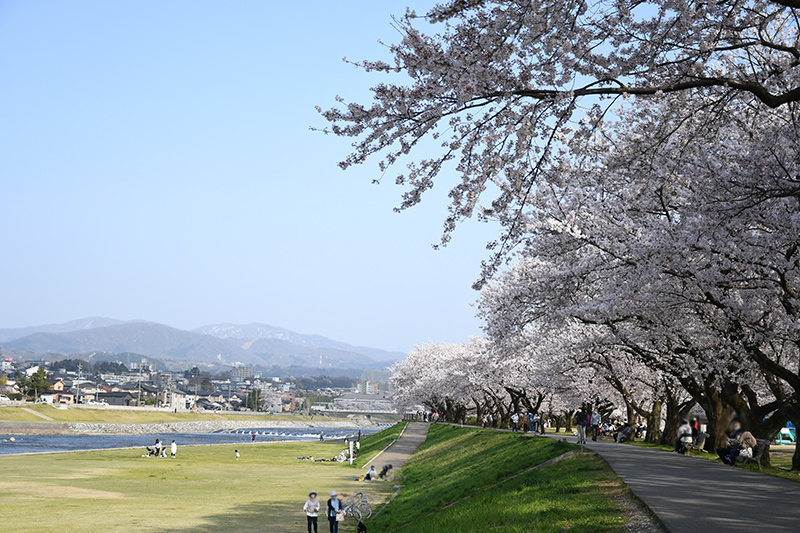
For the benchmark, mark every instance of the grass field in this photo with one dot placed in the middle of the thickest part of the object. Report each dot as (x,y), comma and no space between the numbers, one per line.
(465,480)
(110,416)
(205,489)
(461,480)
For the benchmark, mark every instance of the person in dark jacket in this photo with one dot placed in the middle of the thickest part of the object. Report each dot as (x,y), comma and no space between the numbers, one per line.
(581,422)
(728,454)
(333,508)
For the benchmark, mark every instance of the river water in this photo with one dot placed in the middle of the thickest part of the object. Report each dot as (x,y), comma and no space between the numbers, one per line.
(63,443)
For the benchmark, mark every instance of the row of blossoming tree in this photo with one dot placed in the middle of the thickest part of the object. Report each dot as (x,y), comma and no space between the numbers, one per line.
(642,161)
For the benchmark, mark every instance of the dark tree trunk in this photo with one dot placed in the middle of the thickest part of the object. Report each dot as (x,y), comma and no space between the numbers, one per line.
(654,422)
(568,421)
(676,412)
(796,456)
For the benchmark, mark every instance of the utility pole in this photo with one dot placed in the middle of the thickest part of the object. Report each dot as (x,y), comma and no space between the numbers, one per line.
(139,399)
(80,367)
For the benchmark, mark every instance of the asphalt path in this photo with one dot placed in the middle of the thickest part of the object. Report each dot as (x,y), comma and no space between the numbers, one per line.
(695,495)
(399,453)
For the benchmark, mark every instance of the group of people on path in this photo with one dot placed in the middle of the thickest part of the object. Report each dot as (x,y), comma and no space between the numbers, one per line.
(334,511)
(525,422)
(587,420)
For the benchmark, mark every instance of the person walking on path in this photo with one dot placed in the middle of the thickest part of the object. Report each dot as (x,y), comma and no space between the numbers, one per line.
(333,508)
(174,449)
(581,421)
(311,507)
(596,421)
(514,422)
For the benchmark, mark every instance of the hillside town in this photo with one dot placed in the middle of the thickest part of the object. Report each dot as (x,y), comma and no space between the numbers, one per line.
(71,381)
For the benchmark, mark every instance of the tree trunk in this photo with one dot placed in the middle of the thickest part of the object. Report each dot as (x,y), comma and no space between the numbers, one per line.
(631,413)
(796,456)
(719,417)
(676,412)
(654,422)
(568,421)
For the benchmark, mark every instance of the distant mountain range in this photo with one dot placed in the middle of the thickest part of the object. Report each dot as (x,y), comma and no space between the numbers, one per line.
(226,344)
(74,325)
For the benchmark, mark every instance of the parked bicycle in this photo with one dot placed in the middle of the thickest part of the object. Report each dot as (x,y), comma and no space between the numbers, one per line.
(358,507)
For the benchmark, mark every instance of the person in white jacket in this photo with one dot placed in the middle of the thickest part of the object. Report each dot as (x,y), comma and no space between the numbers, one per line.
(311,508)
(684,440)
(174,449)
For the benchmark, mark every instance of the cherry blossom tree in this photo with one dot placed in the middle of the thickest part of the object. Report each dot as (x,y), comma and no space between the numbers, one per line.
(498,83)
(643,162)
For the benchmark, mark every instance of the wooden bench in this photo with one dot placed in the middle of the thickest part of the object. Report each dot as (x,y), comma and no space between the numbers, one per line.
(761,446)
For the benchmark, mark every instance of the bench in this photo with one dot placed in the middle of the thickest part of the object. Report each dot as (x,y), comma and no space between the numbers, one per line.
(697,444)
(761,446)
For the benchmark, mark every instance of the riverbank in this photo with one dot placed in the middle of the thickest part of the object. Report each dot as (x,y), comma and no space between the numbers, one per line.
(41,419)
(205,489)
(199,426)
(465,480)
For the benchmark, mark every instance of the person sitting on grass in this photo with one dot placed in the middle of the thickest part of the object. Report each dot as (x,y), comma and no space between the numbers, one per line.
(372,474)
(385,471)
(684,439)
(155,451)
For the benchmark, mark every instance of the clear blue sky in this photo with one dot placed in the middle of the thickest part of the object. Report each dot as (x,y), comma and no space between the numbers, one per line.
(156,163)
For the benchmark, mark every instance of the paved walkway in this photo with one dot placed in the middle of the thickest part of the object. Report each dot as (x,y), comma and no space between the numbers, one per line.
(694,495)
(398,453)
(37,413)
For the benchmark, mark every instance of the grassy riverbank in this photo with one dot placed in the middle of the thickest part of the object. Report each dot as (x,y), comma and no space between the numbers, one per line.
(204,489)
(461,480)
(465,480)
(101,415)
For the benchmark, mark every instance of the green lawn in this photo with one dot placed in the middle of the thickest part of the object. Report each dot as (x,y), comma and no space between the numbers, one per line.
(204,489)
(466,480)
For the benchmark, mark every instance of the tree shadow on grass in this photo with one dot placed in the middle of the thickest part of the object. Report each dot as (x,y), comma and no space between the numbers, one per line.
(257,517)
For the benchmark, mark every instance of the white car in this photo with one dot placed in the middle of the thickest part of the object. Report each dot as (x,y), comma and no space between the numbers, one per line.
(4,399)
(96,402)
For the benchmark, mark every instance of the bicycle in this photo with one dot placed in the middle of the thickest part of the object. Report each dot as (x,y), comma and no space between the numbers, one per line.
(358,506)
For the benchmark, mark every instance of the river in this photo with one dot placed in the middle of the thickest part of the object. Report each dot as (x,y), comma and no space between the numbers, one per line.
(22,444)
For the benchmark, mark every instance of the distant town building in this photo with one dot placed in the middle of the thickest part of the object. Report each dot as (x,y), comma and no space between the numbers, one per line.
(241,373)
(368,387)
